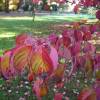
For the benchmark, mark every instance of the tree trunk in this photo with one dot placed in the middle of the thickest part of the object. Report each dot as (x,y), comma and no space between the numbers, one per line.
(7,6)
(44,3)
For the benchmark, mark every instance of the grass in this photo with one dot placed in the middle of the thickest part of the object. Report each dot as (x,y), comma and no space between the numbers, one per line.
(12,26)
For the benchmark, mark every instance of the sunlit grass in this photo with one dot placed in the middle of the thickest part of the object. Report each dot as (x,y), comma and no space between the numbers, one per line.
(7,35)
(16,18)
(1,52)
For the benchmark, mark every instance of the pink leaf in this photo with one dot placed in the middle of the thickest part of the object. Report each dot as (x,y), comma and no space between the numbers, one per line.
(36,88)
(67,54)
(98,14)
(53,38)
(78,35)
(54,57)
(89,48)
(66,38)
(75,48)
(97,89)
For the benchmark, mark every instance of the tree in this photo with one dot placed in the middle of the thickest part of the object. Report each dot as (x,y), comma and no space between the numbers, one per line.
(86,3)
(44,3)
(7,6)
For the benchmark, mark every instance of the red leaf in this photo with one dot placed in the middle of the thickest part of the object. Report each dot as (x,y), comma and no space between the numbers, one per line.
(40,61)
(87,94)
(58,96)
(30,77)
(6,70)
(20,39)
(19,57)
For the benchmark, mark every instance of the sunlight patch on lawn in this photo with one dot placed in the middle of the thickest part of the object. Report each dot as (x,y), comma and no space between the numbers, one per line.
(7,35)
(16,18)
(51,17)
(92,20)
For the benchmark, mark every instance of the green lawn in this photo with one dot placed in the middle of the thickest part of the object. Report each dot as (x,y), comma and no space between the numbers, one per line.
(12,26)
